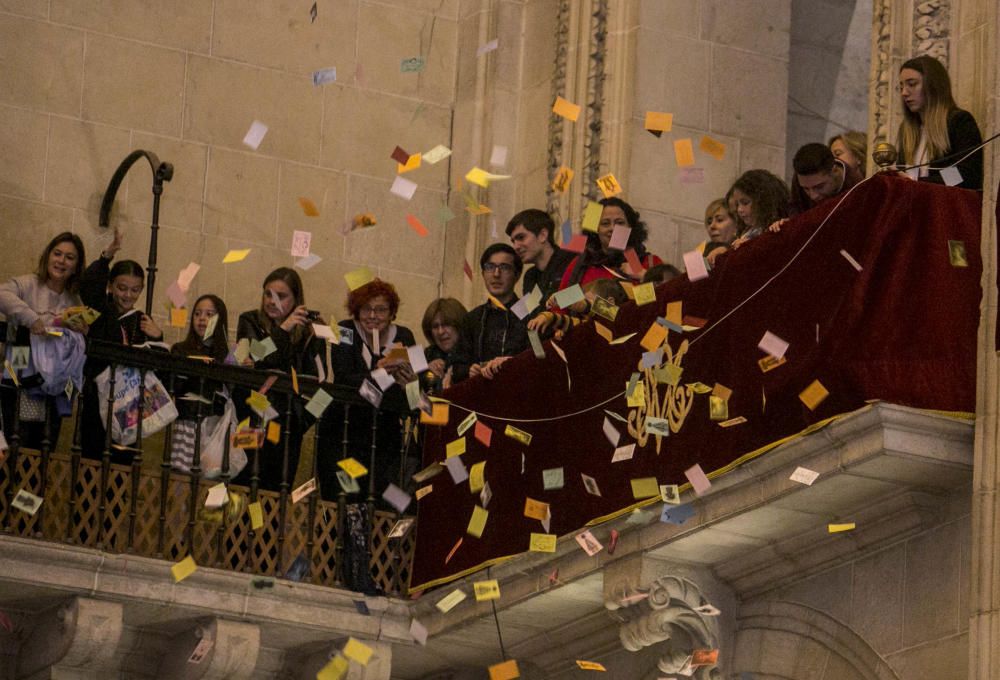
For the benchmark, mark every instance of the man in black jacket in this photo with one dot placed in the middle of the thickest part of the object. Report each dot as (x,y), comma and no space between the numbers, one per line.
(491,333)
(532,234)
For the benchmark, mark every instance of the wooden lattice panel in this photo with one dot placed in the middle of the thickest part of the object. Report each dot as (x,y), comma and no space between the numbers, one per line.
(230,545)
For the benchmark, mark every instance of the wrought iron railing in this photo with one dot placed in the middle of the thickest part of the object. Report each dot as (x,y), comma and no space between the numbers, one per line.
(129,509)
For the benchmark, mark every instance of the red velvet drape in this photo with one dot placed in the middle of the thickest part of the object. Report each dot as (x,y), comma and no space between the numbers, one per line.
(902,330)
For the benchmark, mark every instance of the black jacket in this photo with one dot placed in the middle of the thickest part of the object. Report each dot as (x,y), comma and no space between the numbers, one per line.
(963,136)
(547,279)
(488,332)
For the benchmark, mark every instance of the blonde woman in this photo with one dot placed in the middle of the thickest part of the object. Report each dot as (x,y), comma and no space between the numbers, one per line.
(935,133)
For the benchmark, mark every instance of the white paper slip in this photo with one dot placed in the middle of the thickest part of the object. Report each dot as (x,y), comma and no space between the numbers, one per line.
(456,468)
(255,135)
(773,345)
(26,501)
(488,47)
(308,262)
(590,545)
(403,187)
(217,496)
(623,453)
(326,75)
(418,632)
(396,497)
(804,476)
(383,379)
(438,153)
(611,432)
(951,176)
(499,156)
(418,360)
(694,263)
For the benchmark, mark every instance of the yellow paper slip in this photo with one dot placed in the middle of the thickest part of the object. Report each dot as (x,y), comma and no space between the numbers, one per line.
(477,523)
(256,515)
(684,152)
(352,467)
(562,179)
(535,509)
(645,487)
(592,216)
(183,569)
(477,477)
(566,109)
(359,277)
(308,207)
(235,256)
(438,415)
(543,542)
(447,603)
(654,337)
(486,590)
(658,121)
(609,186)
(455,448)
(590,666)
(336,669)
(838,528)
(712,147)
(518,435)
(505,671)
(644,294)
(358,651)
(813,395)
(411,164)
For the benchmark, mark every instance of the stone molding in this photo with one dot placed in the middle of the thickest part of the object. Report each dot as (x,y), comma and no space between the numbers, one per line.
(771,619)
(81,635)
(670,614)
(932,29)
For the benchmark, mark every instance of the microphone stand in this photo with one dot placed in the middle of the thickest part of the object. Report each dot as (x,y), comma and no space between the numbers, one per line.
(162,172)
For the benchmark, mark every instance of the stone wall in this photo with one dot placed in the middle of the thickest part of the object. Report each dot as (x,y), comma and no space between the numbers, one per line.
(908,602)
(828,70)
(84,83)
(722,69)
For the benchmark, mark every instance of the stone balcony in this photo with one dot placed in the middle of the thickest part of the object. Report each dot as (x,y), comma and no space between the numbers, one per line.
(77,611)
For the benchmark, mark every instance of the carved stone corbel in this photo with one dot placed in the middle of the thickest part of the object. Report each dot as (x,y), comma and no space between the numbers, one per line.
(672,614)
(215,649)
(81,635)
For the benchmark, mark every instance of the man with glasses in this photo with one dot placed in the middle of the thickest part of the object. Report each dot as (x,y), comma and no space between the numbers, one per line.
(491,333)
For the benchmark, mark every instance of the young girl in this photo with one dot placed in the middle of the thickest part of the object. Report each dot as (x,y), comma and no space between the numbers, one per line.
(761,199)
(207,338)
(112,291)
(198,341)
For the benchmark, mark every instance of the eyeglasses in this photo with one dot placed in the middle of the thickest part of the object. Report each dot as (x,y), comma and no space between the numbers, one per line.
(501,267)
(381,310)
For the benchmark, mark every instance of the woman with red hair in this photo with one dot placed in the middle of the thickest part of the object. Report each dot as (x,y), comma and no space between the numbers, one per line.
(371,357)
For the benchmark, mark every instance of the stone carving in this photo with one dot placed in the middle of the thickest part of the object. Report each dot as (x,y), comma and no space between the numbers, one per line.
(931,33)
(595,96)
(671,613)
(558,89)
(881,95)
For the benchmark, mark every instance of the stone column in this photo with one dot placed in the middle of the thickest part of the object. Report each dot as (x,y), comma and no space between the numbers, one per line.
(984,625)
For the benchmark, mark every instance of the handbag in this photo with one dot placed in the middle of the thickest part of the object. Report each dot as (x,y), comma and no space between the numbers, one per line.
(214,433)
(158,409)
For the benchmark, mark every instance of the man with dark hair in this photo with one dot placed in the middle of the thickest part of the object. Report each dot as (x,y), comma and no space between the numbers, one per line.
(818,176)
(491,333)
(532,233)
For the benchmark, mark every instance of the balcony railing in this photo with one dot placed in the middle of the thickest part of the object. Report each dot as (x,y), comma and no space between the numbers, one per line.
(139,510)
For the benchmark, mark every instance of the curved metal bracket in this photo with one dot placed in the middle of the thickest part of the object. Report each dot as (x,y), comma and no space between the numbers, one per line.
(162,172)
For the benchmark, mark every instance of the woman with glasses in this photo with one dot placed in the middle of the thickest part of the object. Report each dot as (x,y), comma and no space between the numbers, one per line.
(935,133)
(601,260)
(372,358)
(281,338)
